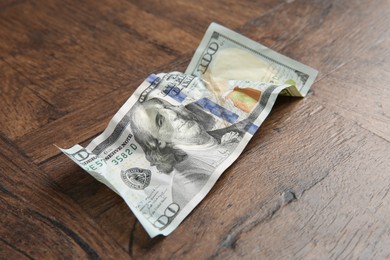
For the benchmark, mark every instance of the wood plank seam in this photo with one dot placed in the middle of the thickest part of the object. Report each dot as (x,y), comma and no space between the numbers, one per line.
(68,232)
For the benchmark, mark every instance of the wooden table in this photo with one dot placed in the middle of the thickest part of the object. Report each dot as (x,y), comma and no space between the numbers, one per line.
(313,182)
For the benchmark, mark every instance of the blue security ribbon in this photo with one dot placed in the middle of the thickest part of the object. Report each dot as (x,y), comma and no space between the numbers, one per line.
(251,128)
(175,93)
(217,110)
(151,78)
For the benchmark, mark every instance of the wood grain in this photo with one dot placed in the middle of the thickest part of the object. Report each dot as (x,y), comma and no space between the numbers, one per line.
(313,182)
(35,217)
(73,56)
(339,217)
(23,109)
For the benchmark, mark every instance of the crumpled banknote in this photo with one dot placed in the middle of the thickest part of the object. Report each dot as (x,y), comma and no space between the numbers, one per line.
(178,132)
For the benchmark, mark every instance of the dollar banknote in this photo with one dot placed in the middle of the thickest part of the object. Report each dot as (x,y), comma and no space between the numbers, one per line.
(169,143)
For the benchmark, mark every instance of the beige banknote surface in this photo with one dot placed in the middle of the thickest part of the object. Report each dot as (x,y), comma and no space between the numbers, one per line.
(225,55)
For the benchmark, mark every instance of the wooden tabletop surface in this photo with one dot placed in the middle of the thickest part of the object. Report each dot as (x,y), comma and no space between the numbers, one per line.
(313,182)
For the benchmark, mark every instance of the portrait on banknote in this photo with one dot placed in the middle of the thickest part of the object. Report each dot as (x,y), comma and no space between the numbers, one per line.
(181,141)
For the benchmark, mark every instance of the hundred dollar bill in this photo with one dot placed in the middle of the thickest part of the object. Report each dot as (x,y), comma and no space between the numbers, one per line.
(169,143)
(225,55)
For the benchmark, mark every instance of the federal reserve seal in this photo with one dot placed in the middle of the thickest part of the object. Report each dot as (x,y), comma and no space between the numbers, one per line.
(136,178)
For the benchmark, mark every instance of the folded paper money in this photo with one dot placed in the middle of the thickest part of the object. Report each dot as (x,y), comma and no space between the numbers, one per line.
(167,146)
